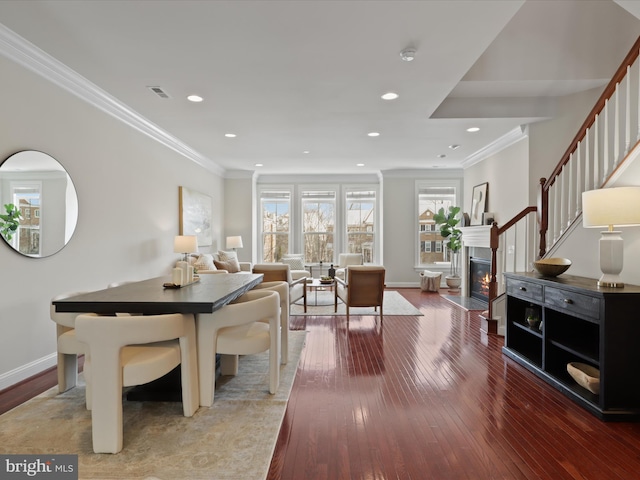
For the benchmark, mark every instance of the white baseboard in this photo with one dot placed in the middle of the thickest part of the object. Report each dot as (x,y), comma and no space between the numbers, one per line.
(29,370)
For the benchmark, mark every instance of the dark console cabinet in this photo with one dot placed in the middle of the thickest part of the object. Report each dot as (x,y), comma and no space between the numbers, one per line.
(580,322)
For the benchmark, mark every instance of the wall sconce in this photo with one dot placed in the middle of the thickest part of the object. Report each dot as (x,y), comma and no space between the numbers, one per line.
(611,207)
(234,242)
(185,244)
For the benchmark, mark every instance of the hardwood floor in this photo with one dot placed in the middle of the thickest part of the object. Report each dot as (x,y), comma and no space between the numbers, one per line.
(432,397)
(426,397)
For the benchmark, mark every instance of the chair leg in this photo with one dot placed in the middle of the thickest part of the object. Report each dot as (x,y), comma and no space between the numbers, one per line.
(206,358)
(67,371)
(106,406)
(229,364)
(274,355)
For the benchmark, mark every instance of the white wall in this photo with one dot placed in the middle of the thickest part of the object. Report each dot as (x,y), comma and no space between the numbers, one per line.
(127,189)
(238,206)
(506,173)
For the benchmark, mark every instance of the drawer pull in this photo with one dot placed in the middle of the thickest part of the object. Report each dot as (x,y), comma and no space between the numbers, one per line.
(568,301)
(523,289)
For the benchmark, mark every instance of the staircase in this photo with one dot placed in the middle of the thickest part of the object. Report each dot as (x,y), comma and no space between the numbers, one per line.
(607,142)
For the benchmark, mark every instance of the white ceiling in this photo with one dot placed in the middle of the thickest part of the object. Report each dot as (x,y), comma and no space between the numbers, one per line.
(290,76)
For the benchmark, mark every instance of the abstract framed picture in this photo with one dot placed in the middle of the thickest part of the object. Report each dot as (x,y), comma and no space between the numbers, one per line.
(479,203)
(195,215)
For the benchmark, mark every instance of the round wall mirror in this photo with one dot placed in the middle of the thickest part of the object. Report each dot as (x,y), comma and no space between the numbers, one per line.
(38,204)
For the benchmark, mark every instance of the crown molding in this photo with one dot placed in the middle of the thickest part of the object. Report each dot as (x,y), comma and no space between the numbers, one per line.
(497,146)
(24,53)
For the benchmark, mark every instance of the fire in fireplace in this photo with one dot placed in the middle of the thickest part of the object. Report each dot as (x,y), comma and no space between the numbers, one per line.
(479,278)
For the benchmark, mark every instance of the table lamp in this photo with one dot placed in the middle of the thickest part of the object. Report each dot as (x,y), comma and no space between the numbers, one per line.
(185,244)
(610,208)
(234,242)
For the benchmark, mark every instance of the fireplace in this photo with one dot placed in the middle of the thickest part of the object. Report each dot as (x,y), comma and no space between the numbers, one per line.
(479,277)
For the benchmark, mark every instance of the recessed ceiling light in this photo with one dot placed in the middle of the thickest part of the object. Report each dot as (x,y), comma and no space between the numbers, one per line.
(390,96)
(259,165)
(230,135)
(442,155)
(359,164)
(373,134)
(473,129)
(306,152)
(454,147)
(195,98)
(408,54)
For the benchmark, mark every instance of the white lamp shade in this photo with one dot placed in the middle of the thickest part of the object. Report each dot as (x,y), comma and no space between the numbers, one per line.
(234,242)
(616,207)
(185,244)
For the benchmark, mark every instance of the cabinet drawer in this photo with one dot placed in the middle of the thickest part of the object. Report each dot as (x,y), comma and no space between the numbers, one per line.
(572,303)
(525,290)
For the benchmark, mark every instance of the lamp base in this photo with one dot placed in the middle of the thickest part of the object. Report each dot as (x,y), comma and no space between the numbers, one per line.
(611,253)
(607,280)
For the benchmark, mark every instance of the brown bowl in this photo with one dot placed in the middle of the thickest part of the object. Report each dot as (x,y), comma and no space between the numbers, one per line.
(585,375)
(552,267)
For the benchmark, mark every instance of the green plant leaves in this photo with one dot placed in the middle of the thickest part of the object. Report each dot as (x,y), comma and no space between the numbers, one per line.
(10,221)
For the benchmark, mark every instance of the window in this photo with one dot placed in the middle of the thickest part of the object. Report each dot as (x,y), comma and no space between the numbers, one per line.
(27,197)
(318,225)
(431,198)
(275,207)
(360,222)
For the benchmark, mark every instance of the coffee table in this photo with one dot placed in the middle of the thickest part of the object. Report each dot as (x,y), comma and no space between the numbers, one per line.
(316,284)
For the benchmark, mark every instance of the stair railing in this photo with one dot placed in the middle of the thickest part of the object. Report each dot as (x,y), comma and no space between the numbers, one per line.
(610,132)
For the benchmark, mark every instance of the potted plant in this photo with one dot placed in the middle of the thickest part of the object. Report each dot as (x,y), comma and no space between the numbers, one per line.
(447,222)
(10,221)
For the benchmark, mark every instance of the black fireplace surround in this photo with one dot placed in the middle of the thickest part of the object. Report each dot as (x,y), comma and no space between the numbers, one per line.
(479,276)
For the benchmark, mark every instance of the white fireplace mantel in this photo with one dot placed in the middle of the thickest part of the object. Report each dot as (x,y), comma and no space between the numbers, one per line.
(479,236)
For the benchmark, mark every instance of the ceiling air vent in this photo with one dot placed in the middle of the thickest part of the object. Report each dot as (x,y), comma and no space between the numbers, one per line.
(159,92)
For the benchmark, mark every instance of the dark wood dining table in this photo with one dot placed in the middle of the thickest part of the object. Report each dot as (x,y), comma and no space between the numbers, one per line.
(149,297)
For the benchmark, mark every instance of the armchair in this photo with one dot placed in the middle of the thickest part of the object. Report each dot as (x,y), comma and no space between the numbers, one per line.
(280,272)
(364,287)
(345,260)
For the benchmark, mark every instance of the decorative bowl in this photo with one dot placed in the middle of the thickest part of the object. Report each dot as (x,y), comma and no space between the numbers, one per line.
(585,375)
(551,267)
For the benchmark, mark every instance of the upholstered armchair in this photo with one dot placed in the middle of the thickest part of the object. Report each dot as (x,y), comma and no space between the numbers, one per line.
(296,264)
(345,260)
(280,272)
(364,287)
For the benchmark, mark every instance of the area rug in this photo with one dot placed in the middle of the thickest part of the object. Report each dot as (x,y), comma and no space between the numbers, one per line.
(394,304)
(232,440)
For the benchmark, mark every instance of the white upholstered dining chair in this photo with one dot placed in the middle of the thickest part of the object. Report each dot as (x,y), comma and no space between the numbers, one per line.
(283,291)
(134,350)
(68,345)
(247,326)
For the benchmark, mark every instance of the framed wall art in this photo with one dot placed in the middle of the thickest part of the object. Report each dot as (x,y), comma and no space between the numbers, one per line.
(196,215)
(479,203)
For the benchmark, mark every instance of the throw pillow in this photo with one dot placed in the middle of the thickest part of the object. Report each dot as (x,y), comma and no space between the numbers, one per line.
(204,262)
(294,263)
(227,256)
(231,267)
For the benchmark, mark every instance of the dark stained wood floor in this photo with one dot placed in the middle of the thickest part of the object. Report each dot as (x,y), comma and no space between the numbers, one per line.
(426,397)
(431,397)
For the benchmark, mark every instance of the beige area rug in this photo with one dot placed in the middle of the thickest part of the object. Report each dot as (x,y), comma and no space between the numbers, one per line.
(233,440)
(394,304)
